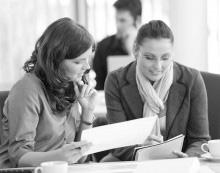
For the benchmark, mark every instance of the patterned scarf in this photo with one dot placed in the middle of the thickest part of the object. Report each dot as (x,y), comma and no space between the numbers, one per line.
(154,96)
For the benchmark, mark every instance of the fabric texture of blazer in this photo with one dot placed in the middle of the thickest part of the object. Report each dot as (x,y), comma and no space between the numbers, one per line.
(186,106)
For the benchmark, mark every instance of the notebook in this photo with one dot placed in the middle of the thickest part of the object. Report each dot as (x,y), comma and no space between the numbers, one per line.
(162,150)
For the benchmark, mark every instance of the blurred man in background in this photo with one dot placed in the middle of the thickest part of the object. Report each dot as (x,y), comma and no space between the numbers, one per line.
(128,18)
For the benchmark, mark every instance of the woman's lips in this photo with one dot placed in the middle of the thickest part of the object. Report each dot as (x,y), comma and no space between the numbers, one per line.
(155,72)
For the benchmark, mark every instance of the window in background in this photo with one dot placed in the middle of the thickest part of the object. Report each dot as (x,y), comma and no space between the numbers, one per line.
(22,22)
(101,18)
(155,10)
(213,18)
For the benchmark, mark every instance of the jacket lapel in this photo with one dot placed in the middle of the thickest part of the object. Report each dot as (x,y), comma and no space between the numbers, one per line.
(135,105)
(175,99)
(131,93)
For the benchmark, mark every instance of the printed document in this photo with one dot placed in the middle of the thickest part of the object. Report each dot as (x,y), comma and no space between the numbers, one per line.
(119,134)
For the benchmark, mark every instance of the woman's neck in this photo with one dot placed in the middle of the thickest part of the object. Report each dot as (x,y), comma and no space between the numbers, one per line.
(152,82)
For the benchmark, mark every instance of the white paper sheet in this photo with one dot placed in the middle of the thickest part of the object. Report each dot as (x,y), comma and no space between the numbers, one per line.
(119,134)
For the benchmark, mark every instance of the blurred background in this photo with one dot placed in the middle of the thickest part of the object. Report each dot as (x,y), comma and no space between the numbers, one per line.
(195,24)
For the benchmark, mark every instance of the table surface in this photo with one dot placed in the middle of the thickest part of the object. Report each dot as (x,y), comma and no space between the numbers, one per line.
(215,166)
(129,167)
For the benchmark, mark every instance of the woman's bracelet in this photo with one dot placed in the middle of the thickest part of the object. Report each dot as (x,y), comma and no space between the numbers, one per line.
(87,123)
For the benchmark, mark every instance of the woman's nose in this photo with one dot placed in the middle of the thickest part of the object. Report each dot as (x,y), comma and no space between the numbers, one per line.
(86,65)
(158,64)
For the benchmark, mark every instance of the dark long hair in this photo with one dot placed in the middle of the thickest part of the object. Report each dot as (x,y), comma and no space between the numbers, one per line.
(63,39)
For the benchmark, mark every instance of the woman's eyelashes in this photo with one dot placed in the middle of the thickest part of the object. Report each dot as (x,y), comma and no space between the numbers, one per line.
(77,62)
(166,57)
(163,58)
(81,61)
(149,58)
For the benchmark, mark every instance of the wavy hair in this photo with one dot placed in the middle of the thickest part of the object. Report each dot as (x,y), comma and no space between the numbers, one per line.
(63,39)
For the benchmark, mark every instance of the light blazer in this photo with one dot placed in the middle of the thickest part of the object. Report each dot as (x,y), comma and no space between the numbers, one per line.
(186,106)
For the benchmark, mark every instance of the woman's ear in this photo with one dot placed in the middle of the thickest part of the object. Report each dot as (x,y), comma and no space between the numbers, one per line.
(135,50)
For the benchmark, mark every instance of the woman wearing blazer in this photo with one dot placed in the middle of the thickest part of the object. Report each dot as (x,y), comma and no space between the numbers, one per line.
(155,85)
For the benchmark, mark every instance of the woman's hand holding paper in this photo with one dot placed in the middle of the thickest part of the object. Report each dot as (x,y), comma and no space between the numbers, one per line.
(152,139)
(180,154)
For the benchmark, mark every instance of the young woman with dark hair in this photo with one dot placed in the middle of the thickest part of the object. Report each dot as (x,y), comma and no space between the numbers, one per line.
(42,120)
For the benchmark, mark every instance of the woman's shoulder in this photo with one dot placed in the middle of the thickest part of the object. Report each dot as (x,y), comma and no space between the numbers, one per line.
(27,92)
(187,69)
(28,84)
(186,73)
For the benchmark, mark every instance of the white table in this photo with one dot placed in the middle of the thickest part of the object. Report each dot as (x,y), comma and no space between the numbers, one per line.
(128,167)
(215,166)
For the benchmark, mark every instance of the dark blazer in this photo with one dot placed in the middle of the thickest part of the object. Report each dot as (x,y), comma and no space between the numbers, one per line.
(186,106)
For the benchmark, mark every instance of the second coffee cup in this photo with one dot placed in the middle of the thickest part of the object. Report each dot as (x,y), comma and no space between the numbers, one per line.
(213,147)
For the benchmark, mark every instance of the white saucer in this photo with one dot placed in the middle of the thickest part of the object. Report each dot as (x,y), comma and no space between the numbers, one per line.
(208,156)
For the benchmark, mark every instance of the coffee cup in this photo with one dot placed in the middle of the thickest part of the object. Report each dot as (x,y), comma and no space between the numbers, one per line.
(213,147)
(52,167)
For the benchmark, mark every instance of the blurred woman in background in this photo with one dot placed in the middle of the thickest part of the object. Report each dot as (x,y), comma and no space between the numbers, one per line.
(42,121)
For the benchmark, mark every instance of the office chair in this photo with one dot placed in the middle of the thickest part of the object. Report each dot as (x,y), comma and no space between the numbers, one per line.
(212,83)
(3,96)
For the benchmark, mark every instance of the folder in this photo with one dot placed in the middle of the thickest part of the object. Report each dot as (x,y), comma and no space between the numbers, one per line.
(162,150)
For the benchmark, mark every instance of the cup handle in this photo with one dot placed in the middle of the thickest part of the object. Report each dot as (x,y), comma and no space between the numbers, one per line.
(38,170)
(202,147)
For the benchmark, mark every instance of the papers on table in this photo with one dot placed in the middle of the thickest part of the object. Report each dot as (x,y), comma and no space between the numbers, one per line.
(119,134)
